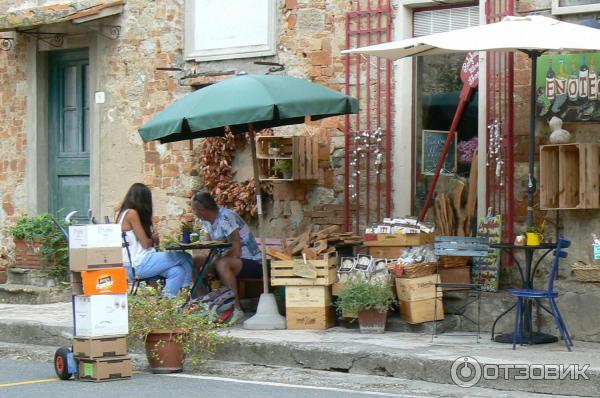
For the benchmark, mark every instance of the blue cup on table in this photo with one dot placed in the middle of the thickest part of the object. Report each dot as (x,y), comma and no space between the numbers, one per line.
(185,237)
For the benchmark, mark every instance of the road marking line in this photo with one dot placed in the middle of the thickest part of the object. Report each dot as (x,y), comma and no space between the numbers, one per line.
(269,383)
(20,383)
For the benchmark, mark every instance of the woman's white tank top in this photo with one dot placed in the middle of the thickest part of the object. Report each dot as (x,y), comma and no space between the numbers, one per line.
(136,250)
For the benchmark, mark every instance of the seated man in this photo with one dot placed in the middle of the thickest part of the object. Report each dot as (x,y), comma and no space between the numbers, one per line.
(243,259)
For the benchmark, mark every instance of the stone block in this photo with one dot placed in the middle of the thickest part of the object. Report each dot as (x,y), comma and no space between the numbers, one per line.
(310,20)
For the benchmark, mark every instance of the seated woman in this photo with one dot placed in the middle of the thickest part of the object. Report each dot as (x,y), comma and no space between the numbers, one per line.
(135,217)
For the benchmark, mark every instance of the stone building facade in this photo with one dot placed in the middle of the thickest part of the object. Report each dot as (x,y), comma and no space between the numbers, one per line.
(126,69)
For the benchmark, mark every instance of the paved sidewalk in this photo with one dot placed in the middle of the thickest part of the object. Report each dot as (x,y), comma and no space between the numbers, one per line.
(404,355)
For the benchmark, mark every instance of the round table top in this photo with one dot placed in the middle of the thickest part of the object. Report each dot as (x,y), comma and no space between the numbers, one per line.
(512,246)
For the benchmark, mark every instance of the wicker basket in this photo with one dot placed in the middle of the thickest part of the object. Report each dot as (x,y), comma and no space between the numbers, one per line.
(586,272)
(453,261)
(419,270)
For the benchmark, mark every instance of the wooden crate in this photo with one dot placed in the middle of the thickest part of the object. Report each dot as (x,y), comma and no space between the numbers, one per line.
(418,288)
(105,369)
(307,296)
(282,273)
(387,251)
(318,318)
(302,151)
(570,176)
(421,311)
(398,239)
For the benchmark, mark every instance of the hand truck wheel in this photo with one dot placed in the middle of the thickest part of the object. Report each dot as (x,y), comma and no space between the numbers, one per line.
(61,363)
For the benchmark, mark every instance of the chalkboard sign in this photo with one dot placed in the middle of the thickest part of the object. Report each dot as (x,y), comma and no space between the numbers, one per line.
(433,142)
(486,271)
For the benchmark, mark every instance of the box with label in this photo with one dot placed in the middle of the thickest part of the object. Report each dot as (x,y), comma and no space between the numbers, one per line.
(413,289)
(422,310)
(307,296)
(99,347)
(101,315)
(104,281)
(105,369)
(318,318)
(95,246)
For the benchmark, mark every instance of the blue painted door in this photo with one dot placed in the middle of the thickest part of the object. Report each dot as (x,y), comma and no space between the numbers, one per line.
(68,132)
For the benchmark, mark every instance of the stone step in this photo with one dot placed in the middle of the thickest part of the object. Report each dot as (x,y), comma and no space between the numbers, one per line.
(27,276)
(11,293)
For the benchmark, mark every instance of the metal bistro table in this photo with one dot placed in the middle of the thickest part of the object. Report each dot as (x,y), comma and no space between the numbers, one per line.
(527,278)
(214,246)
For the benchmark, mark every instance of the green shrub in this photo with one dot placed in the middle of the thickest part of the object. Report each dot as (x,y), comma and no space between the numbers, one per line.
(54,251)
(359,294)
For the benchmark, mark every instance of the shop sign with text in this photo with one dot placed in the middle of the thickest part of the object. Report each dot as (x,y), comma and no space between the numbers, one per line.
(568,86)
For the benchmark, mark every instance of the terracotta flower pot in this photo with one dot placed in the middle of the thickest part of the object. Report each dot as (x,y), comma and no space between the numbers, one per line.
(372,321)
(164,353)
(27,255)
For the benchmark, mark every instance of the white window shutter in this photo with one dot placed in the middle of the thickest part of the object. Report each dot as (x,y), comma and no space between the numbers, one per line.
(438,21)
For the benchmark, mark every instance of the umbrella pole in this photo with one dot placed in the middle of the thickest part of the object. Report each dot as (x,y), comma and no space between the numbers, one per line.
(531,182)
(259,209)
(267,315)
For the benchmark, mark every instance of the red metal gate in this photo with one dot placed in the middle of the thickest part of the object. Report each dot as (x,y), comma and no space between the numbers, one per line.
(368,162)
(500,112)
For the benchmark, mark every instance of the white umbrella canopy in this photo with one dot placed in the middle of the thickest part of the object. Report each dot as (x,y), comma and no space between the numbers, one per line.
(533,35)
(528,33)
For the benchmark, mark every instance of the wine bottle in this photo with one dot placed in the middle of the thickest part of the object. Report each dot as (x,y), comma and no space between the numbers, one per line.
(593,81)
(583,79)
(550,82)
(572,83)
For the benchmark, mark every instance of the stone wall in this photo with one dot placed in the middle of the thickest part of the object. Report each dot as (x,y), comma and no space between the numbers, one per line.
(310,38)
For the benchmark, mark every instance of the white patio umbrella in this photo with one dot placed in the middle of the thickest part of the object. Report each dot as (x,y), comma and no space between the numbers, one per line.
(532,35)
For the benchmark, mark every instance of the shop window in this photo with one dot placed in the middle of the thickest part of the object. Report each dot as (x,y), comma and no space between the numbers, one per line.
(246,29)
(437,90)
(561,7)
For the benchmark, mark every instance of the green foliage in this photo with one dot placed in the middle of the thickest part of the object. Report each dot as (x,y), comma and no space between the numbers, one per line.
(54,251)
(149,311)
(275,144)
(359,294)
(534,230)
(187,227)
(282,165)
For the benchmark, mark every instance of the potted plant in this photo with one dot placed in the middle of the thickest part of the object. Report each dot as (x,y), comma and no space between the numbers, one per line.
(284,168)
(274,148)
(370,299)
(534,236)
(170,331)
(39,244)
(186,230)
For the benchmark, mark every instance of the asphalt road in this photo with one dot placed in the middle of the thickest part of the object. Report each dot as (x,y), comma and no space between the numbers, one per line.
(27,379)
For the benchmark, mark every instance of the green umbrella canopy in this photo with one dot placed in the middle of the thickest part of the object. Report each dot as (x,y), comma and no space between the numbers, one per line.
(263,100)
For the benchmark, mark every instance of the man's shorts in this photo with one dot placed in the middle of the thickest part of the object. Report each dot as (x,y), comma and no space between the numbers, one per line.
(250,269)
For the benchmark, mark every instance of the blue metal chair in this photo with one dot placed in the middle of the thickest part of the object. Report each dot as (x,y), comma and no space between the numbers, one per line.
(527,294)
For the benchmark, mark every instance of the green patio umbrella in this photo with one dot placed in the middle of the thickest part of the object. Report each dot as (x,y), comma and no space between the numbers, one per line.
(246,104)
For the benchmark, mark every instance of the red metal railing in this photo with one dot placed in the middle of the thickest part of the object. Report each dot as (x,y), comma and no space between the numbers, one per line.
(500,107)
(367,197)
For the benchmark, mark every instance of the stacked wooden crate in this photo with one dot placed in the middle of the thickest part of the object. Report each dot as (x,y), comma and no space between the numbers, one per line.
(420,300)
(99,285)
(308,290)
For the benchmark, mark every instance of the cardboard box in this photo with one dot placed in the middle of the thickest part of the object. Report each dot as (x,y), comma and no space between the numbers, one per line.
(95,246)
(399,239)
(99,347)
(76,284)
(105,369)
(455,275)
(413,289)
(104,281)
(389,252)
(101,315)
(318,318)
(336,288)
(421,311)
(307,296)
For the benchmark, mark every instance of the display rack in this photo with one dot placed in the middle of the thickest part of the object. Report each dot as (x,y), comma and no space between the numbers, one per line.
(300,152)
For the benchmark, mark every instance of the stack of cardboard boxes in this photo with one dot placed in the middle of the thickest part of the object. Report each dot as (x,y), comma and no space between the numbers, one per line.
(419,300)
(99,283)
(308,300)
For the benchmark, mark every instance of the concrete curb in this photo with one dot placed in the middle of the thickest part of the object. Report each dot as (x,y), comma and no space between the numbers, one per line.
(405,363)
